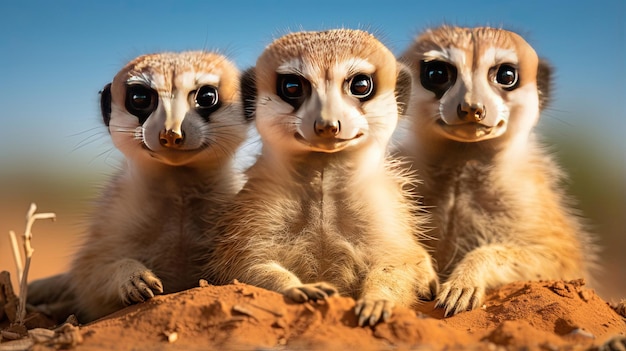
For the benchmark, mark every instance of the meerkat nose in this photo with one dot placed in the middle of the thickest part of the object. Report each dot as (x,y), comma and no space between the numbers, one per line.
(327,129)
(170,138)
(474,112)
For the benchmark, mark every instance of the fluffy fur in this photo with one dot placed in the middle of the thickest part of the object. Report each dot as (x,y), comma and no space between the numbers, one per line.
(500,213)
(327,211)
(144,233)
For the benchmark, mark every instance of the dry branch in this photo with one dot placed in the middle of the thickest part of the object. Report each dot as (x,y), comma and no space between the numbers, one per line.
(22,272)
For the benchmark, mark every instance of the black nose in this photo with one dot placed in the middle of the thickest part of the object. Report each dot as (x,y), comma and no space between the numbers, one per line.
(475,112)
(327,129)
(170,138)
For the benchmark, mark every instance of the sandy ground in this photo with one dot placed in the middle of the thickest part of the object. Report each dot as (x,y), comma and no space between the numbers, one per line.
(551,315)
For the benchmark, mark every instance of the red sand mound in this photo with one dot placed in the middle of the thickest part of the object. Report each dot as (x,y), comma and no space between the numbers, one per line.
(534,316)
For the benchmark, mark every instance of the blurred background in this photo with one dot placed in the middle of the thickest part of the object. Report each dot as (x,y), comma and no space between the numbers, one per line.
(56,55)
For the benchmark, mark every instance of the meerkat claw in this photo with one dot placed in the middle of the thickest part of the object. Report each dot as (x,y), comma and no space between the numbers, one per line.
(464,127)
(458,299)
(140,287)
(372,312)
(317,291)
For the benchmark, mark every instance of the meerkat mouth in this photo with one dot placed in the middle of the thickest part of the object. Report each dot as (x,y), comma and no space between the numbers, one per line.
(471,131)
(328,145)
(173,151)
(174,157)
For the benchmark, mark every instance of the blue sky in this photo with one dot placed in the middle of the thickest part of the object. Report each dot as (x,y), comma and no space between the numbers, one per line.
(56,55)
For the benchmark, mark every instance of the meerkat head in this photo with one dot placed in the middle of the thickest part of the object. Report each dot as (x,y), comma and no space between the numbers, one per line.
(175,108)
(327,91)
(475,84)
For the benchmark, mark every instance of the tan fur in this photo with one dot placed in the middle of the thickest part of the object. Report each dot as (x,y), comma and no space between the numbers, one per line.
(144,234)
(499,210)
(315,216)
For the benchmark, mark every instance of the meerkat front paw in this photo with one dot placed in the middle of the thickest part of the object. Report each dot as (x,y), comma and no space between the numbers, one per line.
(306,292)
(140,286)
(371,312)
(458,296)
(427,285)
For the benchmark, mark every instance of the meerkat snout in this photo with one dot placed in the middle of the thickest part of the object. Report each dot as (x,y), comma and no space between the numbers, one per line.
(499,212)
(178,119)
(171,138)
(471,112)
(326,209)
(326,129)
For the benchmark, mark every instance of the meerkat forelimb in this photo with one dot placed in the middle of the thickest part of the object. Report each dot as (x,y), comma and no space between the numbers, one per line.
(499,211)
(178,120)
(325,209)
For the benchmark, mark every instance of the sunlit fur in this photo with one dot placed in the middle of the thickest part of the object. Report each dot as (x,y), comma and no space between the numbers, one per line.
(311,218)
(499,209)
(143,236)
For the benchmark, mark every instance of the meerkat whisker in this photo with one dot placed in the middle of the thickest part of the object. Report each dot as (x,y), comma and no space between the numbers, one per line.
(499,211)
(325,209)
(178,120)
(89,140)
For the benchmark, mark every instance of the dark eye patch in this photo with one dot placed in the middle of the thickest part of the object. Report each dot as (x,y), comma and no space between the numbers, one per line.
(207,100)
(507,76)
(292,89)
(141,101)
(437,76)
(361,86)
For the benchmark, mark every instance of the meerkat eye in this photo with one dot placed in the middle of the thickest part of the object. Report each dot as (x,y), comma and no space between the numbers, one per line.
(507,76)
(207,100)
(437,76)
(206,97)
(361,86)
(292,88)
(141,101)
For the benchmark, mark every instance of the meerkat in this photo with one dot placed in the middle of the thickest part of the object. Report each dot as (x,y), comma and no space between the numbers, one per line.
(499,211)
(324,209)
(178,120)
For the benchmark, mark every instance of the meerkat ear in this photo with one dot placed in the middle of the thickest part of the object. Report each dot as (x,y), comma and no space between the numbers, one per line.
(105,104)
(404,81)
(248,93)
(544,83)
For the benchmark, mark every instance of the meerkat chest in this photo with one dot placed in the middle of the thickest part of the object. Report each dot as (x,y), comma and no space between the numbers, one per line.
(321,222)
(327,228)
(327,245)
(457,185)
(164,228)
(470,205)
(328,204)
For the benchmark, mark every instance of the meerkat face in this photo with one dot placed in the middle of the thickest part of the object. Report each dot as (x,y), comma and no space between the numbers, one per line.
(476,84)
(175,108)
(326,91)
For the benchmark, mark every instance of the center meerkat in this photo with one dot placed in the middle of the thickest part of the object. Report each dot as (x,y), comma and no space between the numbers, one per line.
(500,213)
(178,120)
(325,209)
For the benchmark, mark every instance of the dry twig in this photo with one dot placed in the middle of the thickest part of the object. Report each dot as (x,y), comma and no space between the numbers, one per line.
(22,272)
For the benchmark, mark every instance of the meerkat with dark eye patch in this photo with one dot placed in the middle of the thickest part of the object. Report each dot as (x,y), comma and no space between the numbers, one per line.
(178,120)
(500,213)
(325,210)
